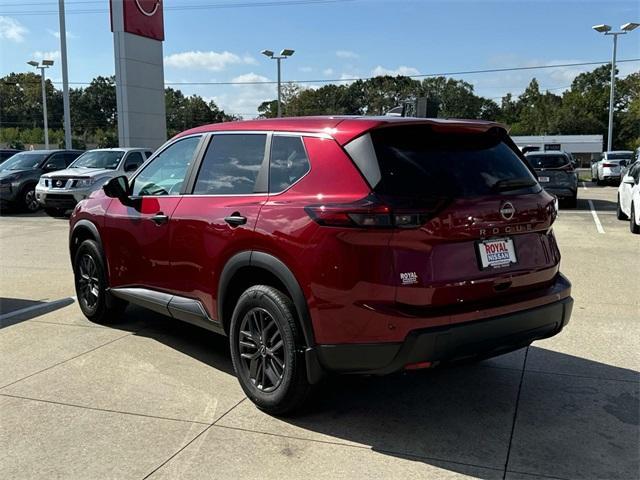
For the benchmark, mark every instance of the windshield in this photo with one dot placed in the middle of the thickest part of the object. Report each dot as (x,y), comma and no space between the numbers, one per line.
(417,162)
(23,161)
(98,159)
(547,161)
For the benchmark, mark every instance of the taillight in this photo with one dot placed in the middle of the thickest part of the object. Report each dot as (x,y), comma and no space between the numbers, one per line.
(610,165)
(366,213)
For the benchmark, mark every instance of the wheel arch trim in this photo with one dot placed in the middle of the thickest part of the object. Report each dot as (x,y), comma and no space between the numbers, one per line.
(276,267)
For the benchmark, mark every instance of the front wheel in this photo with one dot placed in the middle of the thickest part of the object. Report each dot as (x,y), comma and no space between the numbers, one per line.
(96,303)
(619,213)
(28,199)
(266,349)
(633,225)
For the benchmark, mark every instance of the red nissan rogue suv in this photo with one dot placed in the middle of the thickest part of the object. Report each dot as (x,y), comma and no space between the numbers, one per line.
(330,244)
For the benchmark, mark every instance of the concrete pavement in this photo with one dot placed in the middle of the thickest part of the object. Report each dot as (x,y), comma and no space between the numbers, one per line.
(153,398)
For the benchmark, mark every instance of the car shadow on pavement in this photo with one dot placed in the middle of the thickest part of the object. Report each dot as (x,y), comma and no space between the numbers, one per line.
(574,417)
(16,310)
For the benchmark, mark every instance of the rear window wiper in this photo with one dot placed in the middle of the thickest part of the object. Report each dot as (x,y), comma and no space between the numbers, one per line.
(512,184)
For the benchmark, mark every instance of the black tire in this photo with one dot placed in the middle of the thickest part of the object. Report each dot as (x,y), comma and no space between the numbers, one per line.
(54,212)
(633,226)
(91,285)
(572,202)
(271,369)
(28,200)
(619,213)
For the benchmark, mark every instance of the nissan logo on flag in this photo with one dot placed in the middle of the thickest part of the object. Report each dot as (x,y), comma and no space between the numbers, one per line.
(140,17)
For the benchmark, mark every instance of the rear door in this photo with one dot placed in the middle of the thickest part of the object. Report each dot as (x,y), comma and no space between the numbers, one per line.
(136,235)
(472,219)
(217,218)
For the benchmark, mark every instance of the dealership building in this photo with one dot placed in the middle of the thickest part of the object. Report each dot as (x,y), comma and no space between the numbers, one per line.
(584,148)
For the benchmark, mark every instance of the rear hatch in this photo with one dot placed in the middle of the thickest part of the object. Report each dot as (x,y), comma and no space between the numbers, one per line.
(472,224)
(553,170)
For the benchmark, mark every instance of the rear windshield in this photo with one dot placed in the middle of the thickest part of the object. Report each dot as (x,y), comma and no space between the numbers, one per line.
(618,156)
(417,162)
(547,161)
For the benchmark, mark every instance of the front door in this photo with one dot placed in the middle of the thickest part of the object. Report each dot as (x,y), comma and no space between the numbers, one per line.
(137,234)
(218,217)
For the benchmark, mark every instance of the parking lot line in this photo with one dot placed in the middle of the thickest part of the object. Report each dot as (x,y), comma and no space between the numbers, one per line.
(596,220)
(584,185)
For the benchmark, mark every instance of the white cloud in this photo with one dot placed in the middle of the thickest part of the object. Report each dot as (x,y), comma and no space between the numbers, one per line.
(11,29)
(245,99)
(55,33)
(346,54)
(401,70)
(328,71)
(213,61)
(305,69)
(40,55)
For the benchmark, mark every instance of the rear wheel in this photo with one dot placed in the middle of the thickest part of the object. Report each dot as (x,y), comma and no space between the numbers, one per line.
(266,349)
(633,225)
(28,200)
(572,202)
(619,213)
(96,303)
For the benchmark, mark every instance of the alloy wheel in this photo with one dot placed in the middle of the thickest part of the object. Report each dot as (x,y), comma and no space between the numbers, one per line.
(88,281)
(262,349)
(30,201)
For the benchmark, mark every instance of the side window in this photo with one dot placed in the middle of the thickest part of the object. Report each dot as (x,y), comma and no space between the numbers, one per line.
(57,159)
(288,163)
(133,161)
(165,174)
(231,165)
(68,158)
(148,153)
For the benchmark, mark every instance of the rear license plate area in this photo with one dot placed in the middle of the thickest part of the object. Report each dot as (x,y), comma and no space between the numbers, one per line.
(496,253)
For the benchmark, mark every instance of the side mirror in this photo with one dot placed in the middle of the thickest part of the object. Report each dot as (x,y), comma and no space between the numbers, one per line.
(628,179)
(117,187)
(50,167)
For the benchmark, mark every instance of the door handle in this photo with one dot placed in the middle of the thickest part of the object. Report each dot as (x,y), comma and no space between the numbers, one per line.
(235,219)
(159,218)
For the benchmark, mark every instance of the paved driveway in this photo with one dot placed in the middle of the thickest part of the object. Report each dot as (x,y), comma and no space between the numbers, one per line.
(153,398)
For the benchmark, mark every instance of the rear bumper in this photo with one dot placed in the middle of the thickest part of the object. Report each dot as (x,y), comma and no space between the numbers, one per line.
(562,192)
(484,338)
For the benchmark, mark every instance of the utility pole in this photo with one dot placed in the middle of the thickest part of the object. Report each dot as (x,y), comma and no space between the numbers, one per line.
(65,77)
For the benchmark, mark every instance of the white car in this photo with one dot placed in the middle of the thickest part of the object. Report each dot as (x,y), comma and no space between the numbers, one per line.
(629,198)
(608,168)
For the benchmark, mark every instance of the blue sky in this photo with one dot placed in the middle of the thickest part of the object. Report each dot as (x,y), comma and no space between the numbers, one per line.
(356,38)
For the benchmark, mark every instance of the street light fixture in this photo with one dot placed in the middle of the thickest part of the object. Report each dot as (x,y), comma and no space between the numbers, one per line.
(283,54)
(606,30)
(45,64)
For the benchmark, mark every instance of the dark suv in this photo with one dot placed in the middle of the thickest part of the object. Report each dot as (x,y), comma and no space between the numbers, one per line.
(556,174)
(19,175)
(330,244)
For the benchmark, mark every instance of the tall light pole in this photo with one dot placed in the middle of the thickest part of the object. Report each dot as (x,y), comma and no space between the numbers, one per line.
(65,77)
(45,64)
(606,30)
(283,54)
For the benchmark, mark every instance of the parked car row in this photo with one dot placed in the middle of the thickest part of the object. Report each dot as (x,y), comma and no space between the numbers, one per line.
(58,179)
(629,198)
